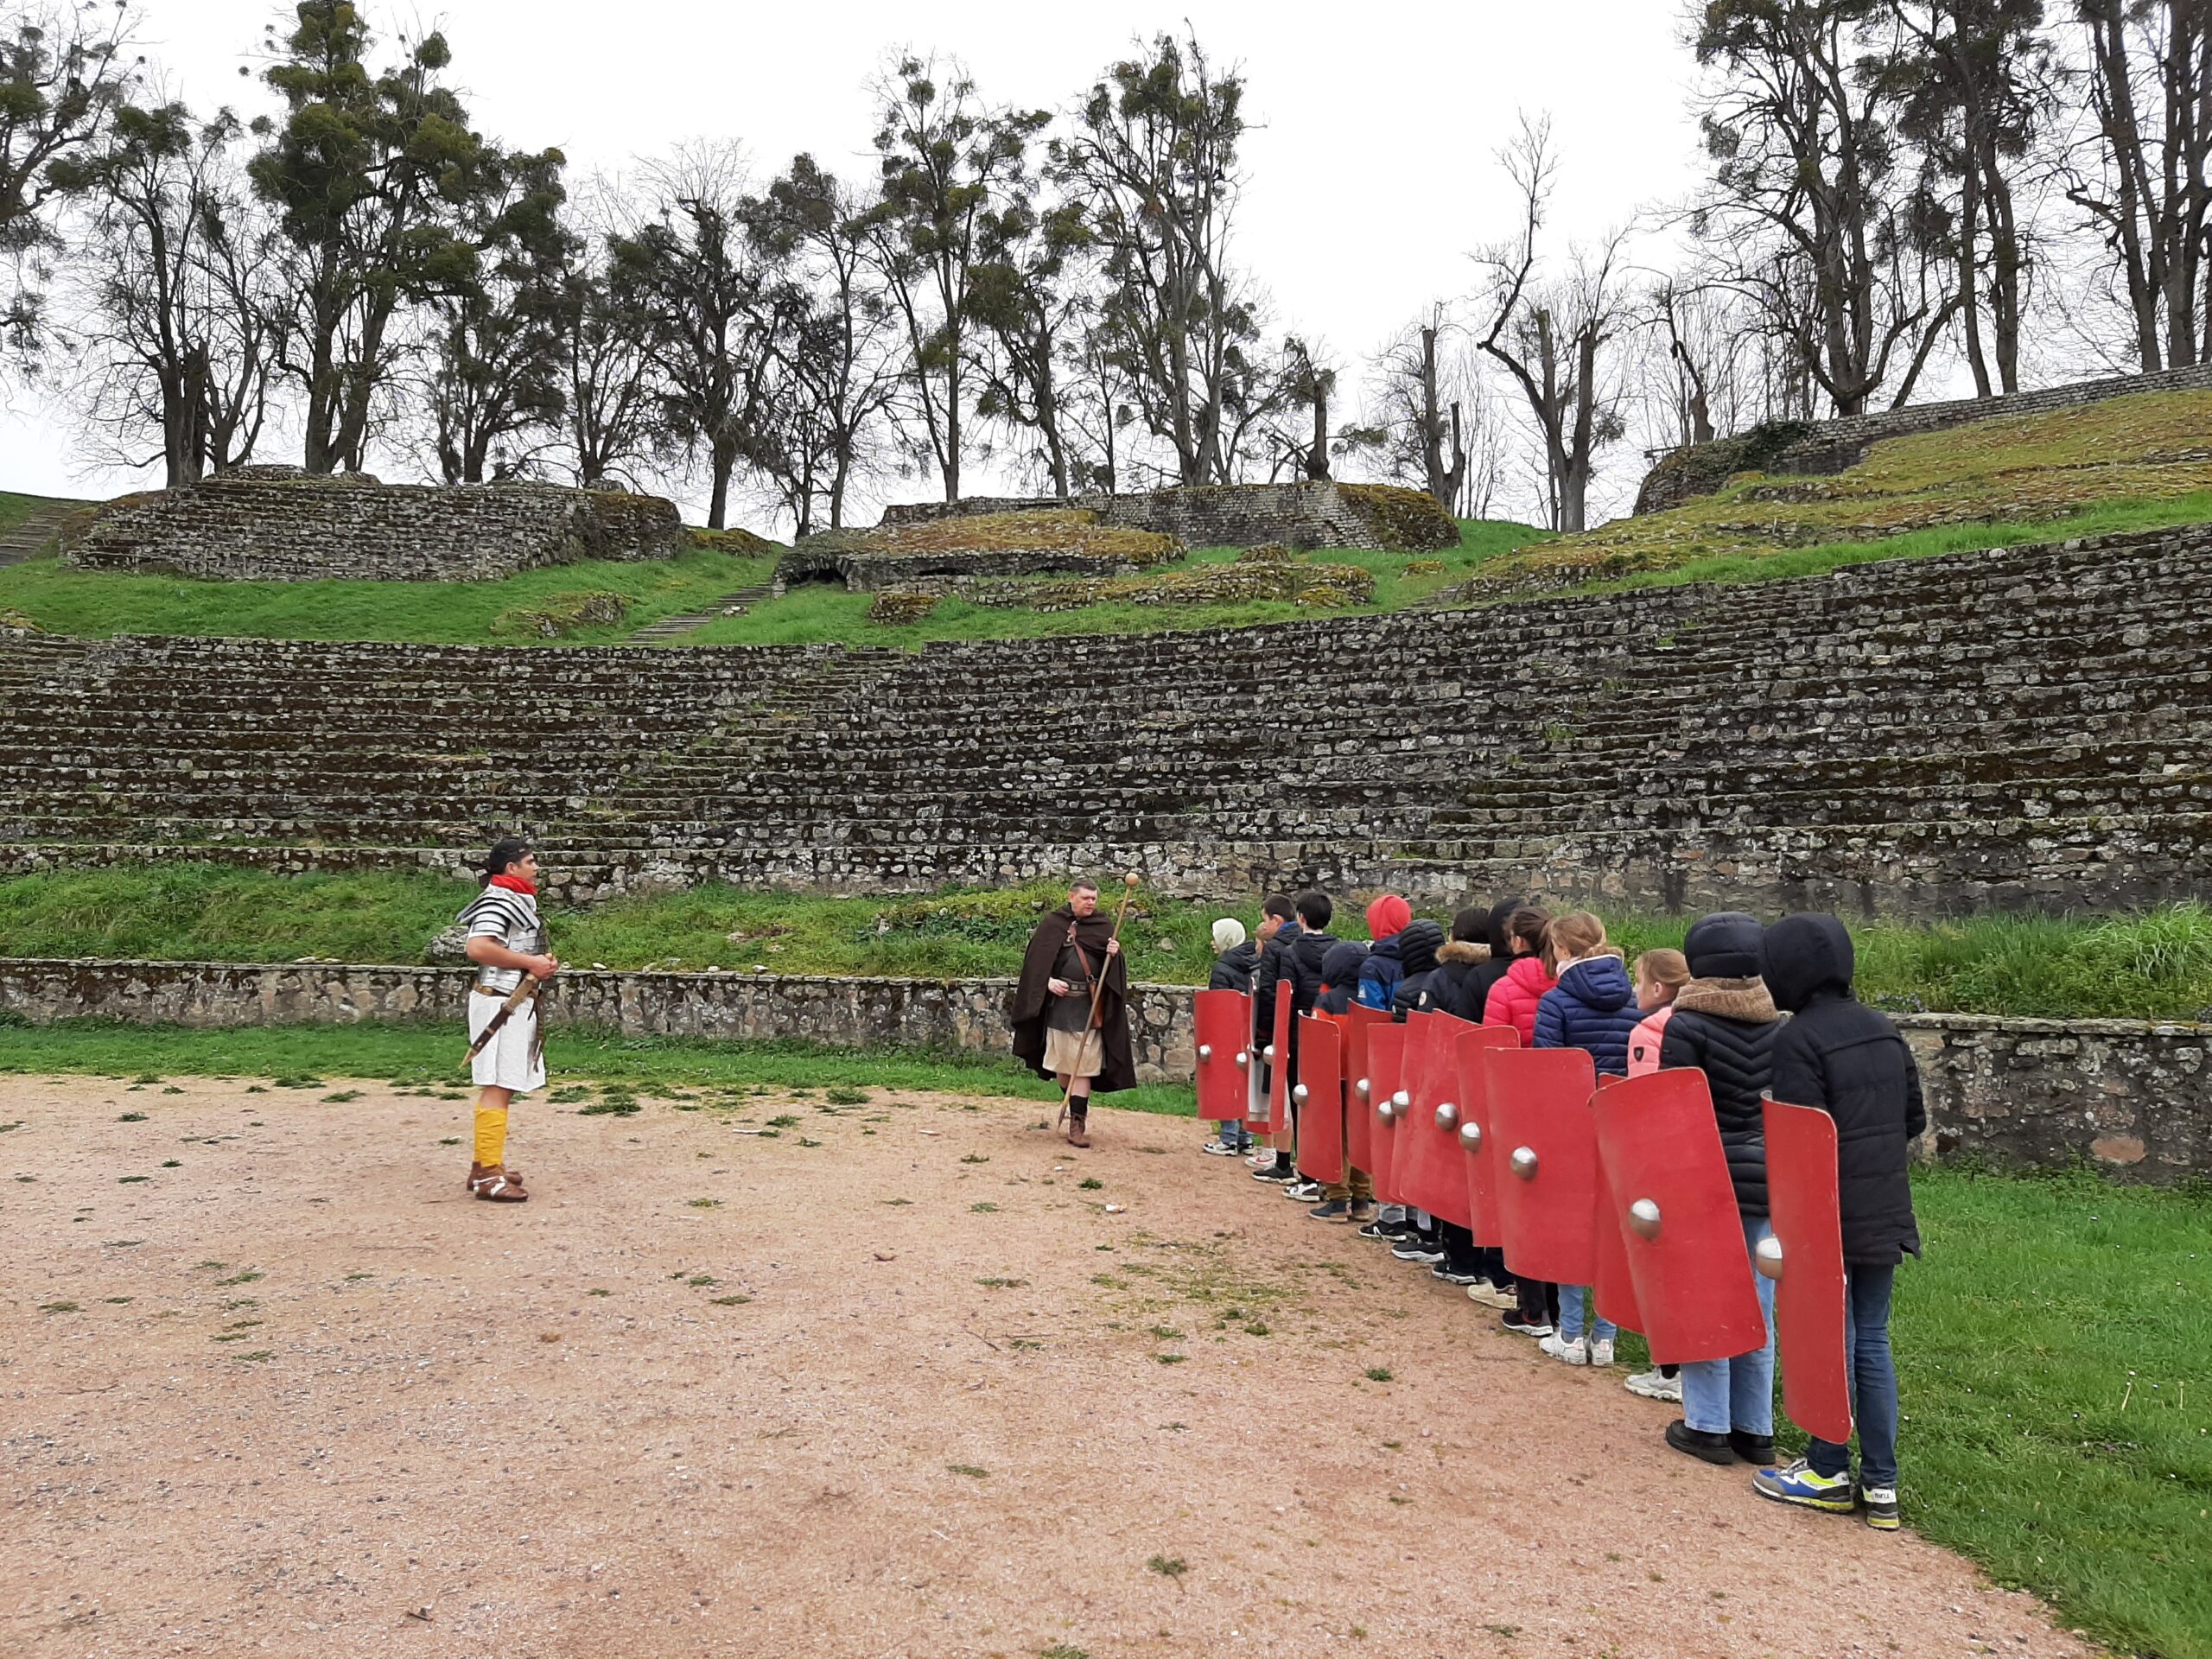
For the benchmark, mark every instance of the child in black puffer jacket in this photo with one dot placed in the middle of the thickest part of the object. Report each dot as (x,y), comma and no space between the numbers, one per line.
(1848,1060)
(1726,1024)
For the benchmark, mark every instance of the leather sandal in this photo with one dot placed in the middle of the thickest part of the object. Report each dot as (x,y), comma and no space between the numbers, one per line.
(477,1173)
(498,1188)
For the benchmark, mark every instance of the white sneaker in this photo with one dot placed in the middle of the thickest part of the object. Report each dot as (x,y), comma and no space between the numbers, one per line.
(1490,1296)
(1601,1353)
(1653,1386)
(1569,1353)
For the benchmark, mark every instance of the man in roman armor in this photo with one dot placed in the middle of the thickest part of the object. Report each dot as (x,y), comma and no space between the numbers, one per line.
(506,941)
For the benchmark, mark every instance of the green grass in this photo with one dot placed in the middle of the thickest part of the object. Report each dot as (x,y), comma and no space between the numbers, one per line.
(817,613)
(2057,1397)
(2108,518)
(417,1055)
(14,509)
(94,605)
(2157,965)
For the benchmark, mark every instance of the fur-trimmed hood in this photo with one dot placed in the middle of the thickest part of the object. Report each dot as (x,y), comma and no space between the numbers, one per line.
(1746,1000)
(1460,950)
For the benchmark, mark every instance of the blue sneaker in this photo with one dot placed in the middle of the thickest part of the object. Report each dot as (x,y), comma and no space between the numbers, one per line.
(1801,1484)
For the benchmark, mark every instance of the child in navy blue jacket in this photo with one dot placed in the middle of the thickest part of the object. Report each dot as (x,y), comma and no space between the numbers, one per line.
(1592,1008)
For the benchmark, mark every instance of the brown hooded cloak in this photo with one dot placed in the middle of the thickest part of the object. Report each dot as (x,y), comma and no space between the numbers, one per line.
(1031,1001)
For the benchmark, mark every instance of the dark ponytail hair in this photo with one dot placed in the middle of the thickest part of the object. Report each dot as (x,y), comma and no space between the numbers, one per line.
(506,852)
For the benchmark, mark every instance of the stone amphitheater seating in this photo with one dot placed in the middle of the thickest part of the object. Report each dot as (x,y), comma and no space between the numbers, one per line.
(2023,728)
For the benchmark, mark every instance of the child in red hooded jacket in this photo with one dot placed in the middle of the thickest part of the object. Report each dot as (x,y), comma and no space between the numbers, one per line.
(1512,1001)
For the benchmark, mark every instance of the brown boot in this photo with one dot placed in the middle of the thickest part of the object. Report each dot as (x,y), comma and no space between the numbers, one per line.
(1077,1133)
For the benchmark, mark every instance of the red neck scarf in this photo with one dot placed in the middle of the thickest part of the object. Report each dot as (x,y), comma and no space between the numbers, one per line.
(514,884)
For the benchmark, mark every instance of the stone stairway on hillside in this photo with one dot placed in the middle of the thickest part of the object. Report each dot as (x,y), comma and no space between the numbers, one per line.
(36,532)
(669,627)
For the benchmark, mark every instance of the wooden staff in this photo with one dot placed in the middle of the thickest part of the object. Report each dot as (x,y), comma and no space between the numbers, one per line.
(1098,986)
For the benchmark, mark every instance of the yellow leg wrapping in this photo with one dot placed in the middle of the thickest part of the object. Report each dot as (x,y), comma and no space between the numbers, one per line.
(491,1136)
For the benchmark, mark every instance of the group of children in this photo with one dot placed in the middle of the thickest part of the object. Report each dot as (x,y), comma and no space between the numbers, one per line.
(1761,1011)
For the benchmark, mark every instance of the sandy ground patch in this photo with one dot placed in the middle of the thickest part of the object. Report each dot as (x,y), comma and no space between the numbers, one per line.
(899,1380)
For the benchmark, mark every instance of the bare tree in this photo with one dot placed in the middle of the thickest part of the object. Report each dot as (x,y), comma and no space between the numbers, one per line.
(1973,81)
(1551,336)
(707,306)
(952,165)
(1821,226)
(65,70)
(1422,404)
(177,324)
(1029,295)
(2145,185)
(839,365)
(1153,158)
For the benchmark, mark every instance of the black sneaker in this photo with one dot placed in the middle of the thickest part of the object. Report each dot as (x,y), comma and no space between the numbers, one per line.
(1881,1506)
(1278,1173)
(1421,1250)
(1452,1275)
(1712,1448)
(1382,1230)
(1334,1210)
(1400,1231)
(1522,1326)
(1752,1448)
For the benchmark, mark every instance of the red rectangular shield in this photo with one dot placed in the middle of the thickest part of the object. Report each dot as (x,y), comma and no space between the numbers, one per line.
(1430,1169)
(1277,1055)
(1613,1291)
(1805,1258)
(1548,1153)
(1224,1026)
(1359,1132)
(1321,1109)
(1386,1065)
(1477,1143)
(1661,1146)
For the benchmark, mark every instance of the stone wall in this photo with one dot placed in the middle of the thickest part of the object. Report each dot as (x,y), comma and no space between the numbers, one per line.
(277,523)
(2017,728)
(2133,1099)
(819,558)
(1304,515)
(1829,447)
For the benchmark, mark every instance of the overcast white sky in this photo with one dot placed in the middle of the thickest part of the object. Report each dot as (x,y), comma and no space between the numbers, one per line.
(1371,174)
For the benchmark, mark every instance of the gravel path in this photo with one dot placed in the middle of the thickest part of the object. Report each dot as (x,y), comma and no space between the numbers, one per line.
(895,1380)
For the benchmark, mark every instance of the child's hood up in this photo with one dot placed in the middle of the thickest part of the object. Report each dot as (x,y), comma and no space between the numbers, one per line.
(1802,957)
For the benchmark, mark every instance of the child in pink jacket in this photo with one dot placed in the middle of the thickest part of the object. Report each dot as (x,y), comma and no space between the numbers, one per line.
(1659,975)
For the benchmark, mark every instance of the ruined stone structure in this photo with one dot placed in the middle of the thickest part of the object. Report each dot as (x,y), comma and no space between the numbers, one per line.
(1303,515)
(1825,447)
(2124,1096)
(279,523)
(2023,728)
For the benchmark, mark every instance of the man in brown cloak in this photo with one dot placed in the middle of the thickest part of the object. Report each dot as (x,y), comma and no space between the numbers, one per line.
(1072,954)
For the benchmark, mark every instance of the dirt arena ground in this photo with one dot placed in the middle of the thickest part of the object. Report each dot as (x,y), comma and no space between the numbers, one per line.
(903,1378)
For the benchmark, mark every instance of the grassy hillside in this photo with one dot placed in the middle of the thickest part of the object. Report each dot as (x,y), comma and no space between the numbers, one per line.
(94,605)
(2157,965)
(815,614)
(2126,463)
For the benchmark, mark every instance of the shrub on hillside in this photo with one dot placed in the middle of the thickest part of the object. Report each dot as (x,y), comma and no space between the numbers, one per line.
(1071,529)
(1404,521)
(741,542)
(895,606)
(560,617)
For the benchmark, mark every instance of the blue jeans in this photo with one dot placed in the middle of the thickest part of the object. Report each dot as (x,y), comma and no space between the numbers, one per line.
(1571,1301)
(1234,1134)
(1719,1395)
(1873,1382)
